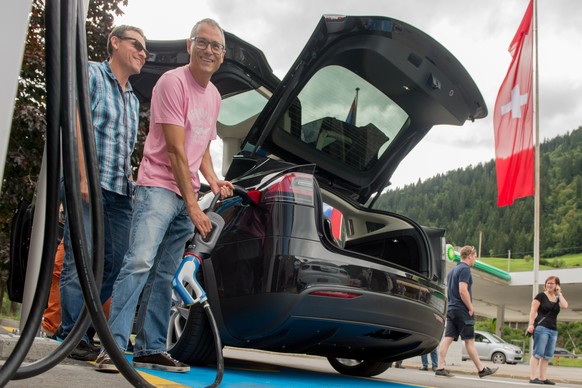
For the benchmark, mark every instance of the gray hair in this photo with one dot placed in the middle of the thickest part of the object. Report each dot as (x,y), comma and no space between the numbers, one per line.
(212,22)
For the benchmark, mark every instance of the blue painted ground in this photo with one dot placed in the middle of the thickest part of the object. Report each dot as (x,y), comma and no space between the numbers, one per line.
(249,374)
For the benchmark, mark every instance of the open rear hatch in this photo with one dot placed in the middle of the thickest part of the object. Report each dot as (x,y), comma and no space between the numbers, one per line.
(362,93)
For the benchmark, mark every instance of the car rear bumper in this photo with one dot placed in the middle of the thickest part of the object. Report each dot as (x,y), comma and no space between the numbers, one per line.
(370,326)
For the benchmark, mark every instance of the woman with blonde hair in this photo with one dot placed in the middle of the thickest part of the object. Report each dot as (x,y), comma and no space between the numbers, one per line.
(543,324)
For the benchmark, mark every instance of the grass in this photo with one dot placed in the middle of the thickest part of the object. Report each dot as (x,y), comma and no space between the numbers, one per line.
(520,265)
(561,361)
(573,362)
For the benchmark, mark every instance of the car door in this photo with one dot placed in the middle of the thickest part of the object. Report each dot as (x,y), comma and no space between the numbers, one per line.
(483,346)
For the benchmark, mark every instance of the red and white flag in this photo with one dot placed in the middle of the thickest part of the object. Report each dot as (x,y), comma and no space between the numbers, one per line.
(512,119)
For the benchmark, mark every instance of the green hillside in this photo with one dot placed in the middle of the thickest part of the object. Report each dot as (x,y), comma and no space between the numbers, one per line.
(519,265)
(470,208)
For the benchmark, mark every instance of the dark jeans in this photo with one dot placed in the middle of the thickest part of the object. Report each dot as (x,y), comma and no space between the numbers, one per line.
(117,211)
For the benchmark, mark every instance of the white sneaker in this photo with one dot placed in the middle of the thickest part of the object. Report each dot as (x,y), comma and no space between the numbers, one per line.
(105,364)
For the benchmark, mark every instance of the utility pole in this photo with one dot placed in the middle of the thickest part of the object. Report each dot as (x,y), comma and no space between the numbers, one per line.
(480,238)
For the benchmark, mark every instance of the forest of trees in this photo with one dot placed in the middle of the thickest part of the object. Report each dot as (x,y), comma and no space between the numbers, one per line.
(464,202)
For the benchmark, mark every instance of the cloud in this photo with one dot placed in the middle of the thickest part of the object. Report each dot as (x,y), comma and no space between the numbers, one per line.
(478,33)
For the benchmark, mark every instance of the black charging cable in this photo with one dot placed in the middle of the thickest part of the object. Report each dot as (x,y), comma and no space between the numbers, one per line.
(241,192)
(63,19)
(10,367)
(88,283)
(60,20)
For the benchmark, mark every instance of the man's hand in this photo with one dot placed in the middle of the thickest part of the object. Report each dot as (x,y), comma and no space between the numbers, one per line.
(200,219)
(225,188)
(201,222)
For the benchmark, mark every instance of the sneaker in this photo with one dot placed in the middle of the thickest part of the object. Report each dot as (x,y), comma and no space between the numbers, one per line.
(487,371)
(47,332)
(58,334)
(549,382)
(434,368)
(161,361)
(105,364)
(536,381)
(84,352)
(424,368)
(443,372)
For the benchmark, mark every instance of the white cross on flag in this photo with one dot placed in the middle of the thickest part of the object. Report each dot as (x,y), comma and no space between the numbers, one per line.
(512,119)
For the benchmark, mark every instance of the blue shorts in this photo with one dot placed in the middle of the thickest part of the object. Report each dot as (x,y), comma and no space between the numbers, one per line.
(544,342)
(460,323)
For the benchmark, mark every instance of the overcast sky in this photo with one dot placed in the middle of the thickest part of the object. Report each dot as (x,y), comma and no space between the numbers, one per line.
(478,33)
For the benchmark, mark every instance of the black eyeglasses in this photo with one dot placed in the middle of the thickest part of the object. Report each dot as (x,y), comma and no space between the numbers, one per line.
(201,44)
(136,44)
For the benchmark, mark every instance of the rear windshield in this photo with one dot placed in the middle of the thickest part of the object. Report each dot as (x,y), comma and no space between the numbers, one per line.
(240,107)
(340,114)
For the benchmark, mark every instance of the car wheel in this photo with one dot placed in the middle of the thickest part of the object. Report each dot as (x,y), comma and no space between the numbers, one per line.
(498,358)
(362,368)
(190,337)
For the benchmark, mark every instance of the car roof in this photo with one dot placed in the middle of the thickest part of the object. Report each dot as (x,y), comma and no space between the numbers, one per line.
(415,74)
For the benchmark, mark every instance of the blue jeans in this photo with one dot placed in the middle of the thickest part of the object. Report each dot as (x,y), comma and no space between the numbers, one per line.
(434,359)
(544,342)
(117,211)
(160,229)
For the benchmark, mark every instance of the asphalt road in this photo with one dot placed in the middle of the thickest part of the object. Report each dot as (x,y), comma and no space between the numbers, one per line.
(244,368)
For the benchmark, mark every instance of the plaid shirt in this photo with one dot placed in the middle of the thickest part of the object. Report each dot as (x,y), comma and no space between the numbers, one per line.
(115,115)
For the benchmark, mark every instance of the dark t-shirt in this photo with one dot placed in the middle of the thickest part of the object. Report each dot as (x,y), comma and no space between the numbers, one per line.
(547,312)
(460,273)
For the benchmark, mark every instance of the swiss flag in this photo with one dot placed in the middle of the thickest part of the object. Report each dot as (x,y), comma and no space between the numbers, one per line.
(514,150)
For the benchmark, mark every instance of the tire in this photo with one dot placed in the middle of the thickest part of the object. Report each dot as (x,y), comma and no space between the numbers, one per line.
(190,338)
(361,368)
(498,358)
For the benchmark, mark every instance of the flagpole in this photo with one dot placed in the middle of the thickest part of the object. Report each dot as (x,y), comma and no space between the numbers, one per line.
(356,103)
(351,118)
(536,247)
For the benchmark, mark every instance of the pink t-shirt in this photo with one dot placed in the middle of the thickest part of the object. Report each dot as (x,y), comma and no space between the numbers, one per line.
(177,99)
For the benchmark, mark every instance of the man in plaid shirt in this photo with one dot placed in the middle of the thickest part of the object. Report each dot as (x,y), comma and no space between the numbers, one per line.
(115,116)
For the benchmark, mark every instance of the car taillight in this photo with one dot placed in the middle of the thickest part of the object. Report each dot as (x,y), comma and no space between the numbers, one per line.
(293,187)
(336,294)
(254,195)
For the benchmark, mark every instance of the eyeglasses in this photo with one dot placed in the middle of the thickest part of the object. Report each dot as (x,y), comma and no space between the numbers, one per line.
(136,44)
(201,44)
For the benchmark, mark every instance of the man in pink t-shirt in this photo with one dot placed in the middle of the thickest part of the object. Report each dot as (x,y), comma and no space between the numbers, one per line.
(184,111)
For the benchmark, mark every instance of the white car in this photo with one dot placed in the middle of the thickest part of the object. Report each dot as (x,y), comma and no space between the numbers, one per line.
(492,348)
